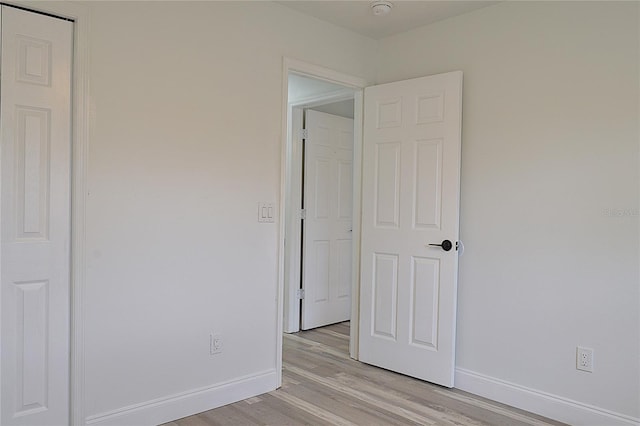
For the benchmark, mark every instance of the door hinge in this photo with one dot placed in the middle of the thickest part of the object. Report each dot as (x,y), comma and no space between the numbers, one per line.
(304,133)
(302,214)
(300,293)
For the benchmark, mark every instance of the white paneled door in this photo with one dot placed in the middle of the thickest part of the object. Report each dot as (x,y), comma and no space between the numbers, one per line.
(410,201)
(35,143)
(328,184)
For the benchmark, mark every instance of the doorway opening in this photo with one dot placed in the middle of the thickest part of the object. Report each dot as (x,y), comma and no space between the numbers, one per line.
(309,91)
(320,241)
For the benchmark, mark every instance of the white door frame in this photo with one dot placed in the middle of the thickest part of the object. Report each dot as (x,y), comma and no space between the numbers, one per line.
(80,132)
(287,206)
(294,190)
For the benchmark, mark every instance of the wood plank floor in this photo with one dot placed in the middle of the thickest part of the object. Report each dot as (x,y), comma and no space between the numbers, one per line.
(323,386)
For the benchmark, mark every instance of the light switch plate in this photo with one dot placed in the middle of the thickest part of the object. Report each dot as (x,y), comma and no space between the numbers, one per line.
(266,212)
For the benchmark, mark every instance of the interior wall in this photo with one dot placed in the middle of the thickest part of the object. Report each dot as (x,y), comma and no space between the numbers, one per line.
(550,191)
(341,109)
(186,103)
(302,88)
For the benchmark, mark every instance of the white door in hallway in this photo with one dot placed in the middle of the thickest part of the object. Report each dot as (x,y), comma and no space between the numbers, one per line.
(35,142)
(328,182)
(410,200)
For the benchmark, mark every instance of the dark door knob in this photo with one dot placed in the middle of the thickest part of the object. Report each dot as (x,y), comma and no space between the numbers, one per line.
(446,245)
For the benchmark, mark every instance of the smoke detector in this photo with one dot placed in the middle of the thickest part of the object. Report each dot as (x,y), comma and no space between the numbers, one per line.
(380,8)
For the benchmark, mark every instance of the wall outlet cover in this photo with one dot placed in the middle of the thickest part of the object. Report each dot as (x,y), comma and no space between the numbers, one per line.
(215,343)
(584,359)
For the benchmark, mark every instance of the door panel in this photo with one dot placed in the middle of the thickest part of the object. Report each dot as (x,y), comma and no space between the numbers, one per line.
(425,286)
(387,185)
(35,142)
(343,256)
(327,228)
(411,186)
(385,290)
(428,184)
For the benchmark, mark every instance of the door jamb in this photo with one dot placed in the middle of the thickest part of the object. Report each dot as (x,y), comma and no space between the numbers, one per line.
(79,14)
(358,84)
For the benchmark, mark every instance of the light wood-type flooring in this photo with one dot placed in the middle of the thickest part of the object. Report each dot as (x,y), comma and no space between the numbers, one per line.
(323,386)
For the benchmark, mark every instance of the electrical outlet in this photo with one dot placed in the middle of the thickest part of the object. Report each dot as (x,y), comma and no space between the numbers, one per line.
(584,359)
(215,343)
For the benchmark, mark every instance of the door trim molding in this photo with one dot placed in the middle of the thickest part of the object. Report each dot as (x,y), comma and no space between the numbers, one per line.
(358,84)
(317,100)
(80,135)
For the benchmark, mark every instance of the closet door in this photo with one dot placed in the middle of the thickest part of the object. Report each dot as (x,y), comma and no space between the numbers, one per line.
(35,147)
(328,183)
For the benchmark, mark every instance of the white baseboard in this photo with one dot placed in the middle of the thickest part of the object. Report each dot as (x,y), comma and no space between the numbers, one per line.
(542,403)
(184,404)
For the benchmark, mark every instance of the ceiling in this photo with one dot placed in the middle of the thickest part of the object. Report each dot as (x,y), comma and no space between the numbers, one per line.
(405,15)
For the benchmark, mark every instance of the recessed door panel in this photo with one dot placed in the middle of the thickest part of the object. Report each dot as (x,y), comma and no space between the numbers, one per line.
(385,295)
(321,266)
(430,108)
(32,332)
(322,188)
(387,185)
(345,189)
(389,113)
(427,198)
(34,64)
(425,285)
(343,254)
(32,172)
(322,135)
(346,139)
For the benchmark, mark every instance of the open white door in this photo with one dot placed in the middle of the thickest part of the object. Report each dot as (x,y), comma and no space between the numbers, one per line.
(35,141)
(410,200)
(327,226)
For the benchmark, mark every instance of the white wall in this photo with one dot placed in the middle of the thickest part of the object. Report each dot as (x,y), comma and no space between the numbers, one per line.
(550,145)
(342,108)
(302,88)
(185,141)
